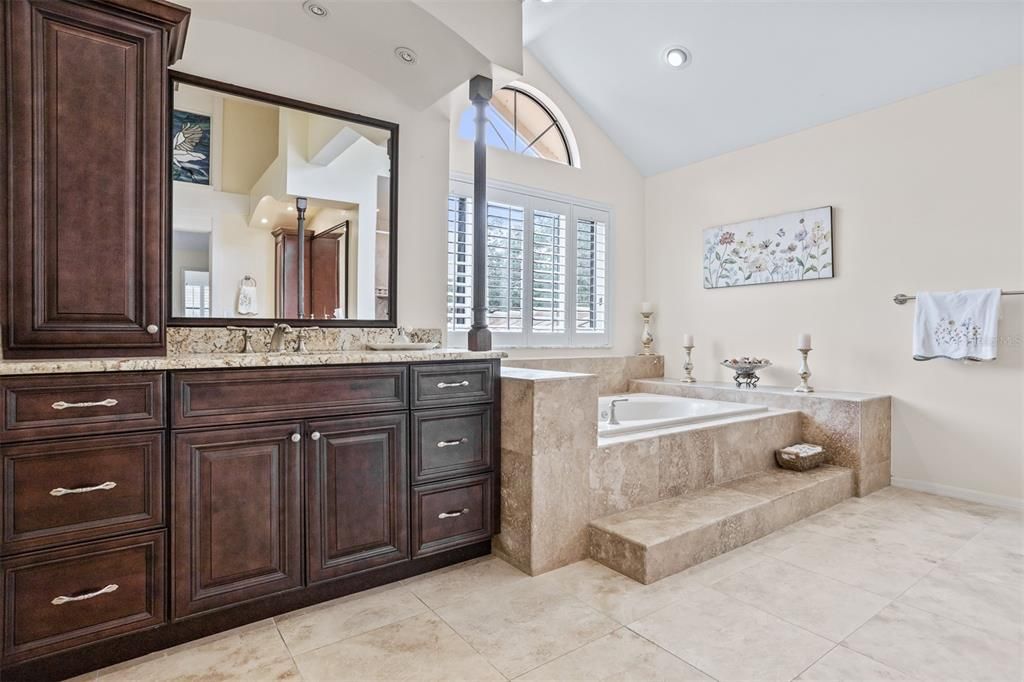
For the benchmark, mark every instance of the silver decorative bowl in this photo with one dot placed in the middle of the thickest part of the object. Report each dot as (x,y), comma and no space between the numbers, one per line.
(746,370)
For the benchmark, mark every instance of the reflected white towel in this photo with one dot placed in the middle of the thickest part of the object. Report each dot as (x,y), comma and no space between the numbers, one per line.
(247,304)
(960,325)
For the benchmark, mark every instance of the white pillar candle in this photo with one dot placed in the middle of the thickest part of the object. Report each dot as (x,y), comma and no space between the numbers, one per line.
(647,307)
(803,342)
(687,340)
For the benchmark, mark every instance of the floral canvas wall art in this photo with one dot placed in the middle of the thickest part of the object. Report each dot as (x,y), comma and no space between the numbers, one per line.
(783,248)
(190,147)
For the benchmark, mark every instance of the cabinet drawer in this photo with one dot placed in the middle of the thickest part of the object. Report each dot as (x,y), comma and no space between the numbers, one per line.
(451,514)
(81,404)
(450,442)
(81,488)
(65,598)
(243,396)
(452,384)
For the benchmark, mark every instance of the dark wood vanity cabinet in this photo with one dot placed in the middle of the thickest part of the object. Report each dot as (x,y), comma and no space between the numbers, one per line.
(84,140)
(143,509)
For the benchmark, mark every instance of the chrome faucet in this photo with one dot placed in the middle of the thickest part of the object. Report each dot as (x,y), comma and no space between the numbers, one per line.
(612,419)
(277,339)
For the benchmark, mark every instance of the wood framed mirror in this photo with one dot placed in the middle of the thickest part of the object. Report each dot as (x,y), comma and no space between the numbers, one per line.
(255,181)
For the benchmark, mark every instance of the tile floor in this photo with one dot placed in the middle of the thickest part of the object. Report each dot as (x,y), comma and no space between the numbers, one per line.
(899,585)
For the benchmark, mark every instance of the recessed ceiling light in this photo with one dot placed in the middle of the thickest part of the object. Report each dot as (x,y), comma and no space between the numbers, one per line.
(264,221)
(314,9)
(677,57)
(406,55)
(291,208)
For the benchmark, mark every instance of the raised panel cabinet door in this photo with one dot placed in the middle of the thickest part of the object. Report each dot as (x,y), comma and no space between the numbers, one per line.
(86,145)
(237,517)
(357,494)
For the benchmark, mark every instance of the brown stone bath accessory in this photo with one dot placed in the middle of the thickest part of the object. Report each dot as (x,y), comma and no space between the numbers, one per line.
(801,457)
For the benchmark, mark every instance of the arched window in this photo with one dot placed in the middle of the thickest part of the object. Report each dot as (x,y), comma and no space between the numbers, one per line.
(517,121)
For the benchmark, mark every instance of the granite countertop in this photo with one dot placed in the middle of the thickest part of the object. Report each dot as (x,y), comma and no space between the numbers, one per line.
(235,360)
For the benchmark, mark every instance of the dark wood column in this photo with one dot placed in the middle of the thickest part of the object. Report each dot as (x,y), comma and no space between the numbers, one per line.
(479,337)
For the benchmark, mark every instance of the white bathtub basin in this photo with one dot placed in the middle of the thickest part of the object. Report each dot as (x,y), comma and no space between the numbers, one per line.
(648,411)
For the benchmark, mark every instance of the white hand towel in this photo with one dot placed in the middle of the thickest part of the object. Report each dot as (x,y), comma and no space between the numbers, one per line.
(247,304)
(960,325)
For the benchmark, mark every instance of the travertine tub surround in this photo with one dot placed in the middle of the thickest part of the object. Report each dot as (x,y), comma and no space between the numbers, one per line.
(628,472)
(548,432)
(614,372)
(855,428)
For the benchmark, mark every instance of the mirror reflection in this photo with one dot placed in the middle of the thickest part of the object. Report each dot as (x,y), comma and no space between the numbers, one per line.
(256,184)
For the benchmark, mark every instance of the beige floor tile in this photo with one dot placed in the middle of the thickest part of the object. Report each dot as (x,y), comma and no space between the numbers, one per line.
(722,566)
(919,539)
(253,654)
(995,607)
(859,564)
(525,625)
(843,665)
(621,655)
(990,558)
(446,585)
(612,593)
(821,605)
(418,648)
(730,640)
(323,624)
(928,647)
(949,521)
(778,542)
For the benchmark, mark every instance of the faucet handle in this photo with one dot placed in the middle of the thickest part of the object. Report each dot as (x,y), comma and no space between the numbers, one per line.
(300,338)
(246,337)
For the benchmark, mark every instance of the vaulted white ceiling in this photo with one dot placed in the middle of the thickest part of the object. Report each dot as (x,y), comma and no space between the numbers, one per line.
(760,70)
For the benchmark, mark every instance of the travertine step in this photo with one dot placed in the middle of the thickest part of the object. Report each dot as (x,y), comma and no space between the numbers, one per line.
(659,539)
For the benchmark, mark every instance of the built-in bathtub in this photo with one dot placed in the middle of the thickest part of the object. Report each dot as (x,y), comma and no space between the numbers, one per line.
(649,412)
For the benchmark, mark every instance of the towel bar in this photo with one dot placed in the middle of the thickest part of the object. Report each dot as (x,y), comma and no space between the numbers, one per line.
(900,299)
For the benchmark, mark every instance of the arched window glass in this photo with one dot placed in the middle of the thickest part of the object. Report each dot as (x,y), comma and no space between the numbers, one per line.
(518,122)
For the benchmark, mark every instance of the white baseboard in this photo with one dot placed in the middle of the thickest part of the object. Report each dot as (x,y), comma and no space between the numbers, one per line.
(1013,503)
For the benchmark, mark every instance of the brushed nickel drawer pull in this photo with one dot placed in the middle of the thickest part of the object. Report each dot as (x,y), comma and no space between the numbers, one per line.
(457,384)
(57,492)
(448,515)
(61,405)
(57,601)
(449,443)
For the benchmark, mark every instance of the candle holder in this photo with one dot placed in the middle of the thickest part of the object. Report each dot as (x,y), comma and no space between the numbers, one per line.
(688,366)
(805,373)
(646,338)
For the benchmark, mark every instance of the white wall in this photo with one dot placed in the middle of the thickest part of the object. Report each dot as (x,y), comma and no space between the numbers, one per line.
(606,176)
(243,57)
(927,195)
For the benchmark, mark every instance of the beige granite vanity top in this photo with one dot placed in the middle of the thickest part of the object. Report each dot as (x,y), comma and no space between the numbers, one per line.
(235,360)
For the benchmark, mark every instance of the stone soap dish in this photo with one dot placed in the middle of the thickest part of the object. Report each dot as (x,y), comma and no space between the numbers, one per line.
(801,457)
(401,346)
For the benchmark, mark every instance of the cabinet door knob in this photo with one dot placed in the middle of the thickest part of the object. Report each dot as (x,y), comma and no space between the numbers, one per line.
(152,329)
(296,438)
(315,435)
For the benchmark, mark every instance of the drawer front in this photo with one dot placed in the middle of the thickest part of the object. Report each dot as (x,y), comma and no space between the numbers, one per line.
(81,488)
(451,514)
(452,384)
(449,442)
(65,598)
(37,407)
(243,396)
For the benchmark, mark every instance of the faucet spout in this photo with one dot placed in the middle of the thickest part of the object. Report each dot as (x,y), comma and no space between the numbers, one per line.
(277,339)
(612,419)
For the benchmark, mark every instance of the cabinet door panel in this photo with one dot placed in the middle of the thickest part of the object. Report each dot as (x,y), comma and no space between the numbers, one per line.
(357,495)
(237,516)
(87,149)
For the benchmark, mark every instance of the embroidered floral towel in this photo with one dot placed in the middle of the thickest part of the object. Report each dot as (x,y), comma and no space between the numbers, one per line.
(961,325)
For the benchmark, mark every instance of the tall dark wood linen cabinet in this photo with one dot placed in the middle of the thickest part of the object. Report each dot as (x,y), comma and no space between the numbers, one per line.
(85,119)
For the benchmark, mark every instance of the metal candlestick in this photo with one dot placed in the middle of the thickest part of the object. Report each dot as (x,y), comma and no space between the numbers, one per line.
(688,366)
(646,339)
(805,373)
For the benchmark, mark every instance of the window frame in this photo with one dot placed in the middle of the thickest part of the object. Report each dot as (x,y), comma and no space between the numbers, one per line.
(530,198)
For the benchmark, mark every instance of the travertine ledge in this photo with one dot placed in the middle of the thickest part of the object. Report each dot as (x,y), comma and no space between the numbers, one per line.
(237,360)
